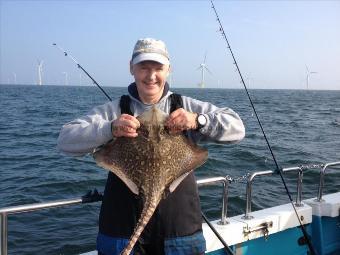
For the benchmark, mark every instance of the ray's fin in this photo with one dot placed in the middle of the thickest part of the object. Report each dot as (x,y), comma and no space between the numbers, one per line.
(102,161)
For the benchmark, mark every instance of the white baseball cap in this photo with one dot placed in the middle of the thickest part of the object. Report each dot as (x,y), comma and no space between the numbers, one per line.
(150,49)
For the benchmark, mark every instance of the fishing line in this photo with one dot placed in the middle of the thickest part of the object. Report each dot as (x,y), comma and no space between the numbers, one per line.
(228,250)
(278,169)
(79,66)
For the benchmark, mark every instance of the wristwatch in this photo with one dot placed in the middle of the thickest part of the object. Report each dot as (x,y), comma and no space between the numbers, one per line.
(201,121)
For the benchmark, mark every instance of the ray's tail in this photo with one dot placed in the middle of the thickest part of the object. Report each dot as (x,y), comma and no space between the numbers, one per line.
(148,210)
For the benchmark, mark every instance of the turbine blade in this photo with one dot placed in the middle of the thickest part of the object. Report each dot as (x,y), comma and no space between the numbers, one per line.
(208,70)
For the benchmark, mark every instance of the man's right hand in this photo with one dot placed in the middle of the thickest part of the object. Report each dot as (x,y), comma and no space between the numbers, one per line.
(126,125)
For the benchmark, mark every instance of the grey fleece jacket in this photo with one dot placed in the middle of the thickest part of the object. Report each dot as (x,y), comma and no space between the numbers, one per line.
(85,134)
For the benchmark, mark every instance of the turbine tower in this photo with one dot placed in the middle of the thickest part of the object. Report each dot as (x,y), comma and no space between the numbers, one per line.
(308,73)
(40,64)
(170,78)
(66,78)
(15,78)
(203,68)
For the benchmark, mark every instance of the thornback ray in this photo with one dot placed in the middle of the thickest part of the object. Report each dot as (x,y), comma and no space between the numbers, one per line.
(151,165)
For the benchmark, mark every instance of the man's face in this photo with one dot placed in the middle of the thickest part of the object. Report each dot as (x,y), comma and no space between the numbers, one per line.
(150,77)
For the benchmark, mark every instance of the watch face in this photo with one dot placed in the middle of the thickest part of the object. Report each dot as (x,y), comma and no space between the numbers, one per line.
(202,120)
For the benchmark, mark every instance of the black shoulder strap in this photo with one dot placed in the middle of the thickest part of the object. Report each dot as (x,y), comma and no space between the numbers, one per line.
(175,103)
(125,105)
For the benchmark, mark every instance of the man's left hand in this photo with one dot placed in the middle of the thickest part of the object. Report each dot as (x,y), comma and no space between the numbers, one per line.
(181,120)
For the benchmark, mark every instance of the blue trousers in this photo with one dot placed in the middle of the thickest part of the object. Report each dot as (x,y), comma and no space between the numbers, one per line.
(187,245)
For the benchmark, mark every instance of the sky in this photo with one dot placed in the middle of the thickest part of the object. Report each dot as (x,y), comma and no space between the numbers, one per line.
(273,41)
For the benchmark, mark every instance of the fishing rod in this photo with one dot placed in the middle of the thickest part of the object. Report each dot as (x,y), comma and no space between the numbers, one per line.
(228,250)
(278,169)
(79,66)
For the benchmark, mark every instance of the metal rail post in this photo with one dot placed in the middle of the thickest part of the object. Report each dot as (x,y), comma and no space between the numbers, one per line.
(225,183)
(321,180)
(247,215)
(3,222)
(298,201)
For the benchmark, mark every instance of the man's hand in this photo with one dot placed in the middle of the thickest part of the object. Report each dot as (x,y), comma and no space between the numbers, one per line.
(126,125)
(181,120)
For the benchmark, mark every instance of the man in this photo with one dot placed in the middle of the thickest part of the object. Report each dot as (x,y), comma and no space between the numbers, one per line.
(176,226)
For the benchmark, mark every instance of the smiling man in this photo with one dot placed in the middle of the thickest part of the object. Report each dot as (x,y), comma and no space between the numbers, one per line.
(176,225)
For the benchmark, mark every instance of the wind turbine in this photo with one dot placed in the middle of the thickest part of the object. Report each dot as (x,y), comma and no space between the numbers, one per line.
(15,77)
(308,73)
(40,64)
(203,68)
(66,78)
(170,78)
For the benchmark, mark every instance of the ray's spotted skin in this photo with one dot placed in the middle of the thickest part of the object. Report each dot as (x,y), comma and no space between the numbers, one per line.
(150,164)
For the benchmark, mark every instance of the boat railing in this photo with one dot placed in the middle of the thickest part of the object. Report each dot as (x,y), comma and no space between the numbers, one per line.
(90,197)
(95,196)
(300,171)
